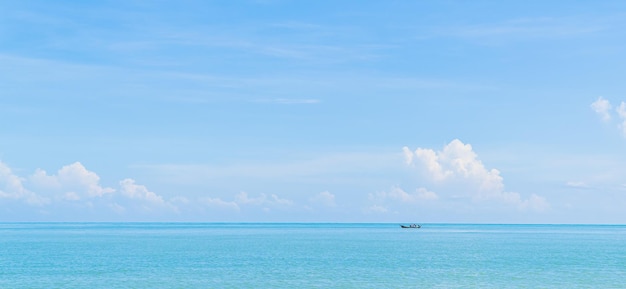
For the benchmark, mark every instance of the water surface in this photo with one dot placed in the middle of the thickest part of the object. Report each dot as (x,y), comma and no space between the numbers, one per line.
(293,255)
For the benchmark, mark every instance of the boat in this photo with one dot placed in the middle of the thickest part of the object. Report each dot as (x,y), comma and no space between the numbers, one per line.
(412,226)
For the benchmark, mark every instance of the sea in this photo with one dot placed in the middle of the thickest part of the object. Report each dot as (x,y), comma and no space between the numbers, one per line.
(310,255)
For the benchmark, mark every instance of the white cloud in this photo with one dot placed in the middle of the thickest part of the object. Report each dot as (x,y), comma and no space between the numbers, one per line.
(71,178)
(408,156)
(71,196)
(262,200)
(219,203)
(11,187)
(324,198)
(536,203)
(603,108)
(429,159)
(134,191)
(424,194)
(398,194)
(242,199)
(11,184)
(458,163)
(75,183)
(279,201)
(457,160)
(40,178)
(180,200)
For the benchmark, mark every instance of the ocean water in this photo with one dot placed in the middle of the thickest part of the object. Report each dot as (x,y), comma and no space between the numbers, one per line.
(236,255)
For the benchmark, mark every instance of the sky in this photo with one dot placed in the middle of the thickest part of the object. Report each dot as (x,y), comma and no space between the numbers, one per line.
(313,111)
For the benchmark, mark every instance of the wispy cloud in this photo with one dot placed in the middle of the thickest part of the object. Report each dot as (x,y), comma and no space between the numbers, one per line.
(527,29)
(577,185)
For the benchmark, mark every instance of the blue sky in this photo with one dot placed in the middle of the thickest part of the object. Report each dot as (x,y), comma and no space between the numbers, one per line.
(313,111)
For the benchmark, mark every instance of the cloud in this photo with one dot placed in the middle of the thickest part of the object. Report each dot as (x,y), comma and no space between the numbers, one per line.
(458,164)
(603,108)
(578,185)
(398,194)
(73,178)
(71,196)
(117,208)
(262,200)
(324,198)
(242,199)
(457,160)
(76,184)
(11,187)
(527,29)
(535,203)
(134,191)
(219,203)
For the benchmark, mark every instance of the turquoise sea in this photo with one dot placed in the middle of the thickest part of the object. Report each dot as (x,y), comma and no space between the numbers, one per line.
(291,255)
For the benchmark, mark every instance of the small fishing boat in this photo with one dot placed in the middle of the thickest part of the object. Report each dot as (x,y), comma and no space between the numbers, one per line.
(412,226)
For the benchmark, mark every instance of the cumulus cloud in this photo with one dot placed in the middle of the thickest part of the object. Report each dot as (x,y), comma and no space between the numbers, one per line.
(130,189)
(458,162)
(75,183)
(430,160)
(74,179)
(408,156)
(11,187)
(603,108)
